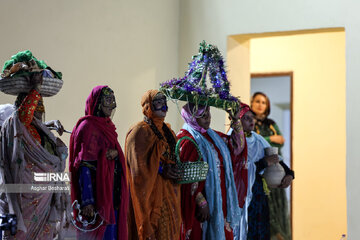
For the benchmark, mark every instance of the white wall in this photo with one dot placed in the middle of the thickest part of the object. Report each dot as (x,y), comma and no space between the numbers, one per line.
(130,45)
(215,20)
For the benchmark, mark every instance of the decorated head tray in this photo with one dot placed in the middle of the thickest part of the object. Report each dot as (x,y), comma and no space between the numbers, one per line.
(17,72)
(193,88)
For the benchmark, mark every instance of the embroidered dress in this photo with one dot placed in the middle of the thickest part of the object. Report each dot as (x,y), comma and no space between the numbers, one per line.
(28,147)
(219,189)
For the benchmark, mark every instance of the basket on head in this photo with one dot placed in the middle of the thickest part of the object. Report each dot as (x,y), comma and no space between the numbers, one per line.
(22,66)
(190,171)
(16,85)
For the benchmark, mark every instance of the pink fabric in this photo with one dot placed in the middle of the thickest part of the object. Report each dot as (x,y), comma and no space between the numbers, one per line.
(189,115)
(88,131)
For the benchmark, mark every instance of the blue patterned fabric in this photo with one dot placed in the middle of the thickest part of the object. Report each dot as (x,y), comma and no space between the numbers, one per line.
(87,196)
(87,199)
(214,228)
(111,230)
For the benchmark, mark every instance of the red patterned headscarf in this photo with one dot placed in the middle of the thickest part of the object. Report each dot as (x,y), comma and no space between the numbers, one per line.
(244,109)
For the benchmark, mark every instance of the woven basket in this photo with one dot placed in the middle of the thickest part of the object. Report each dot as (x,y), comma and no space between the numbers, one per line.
(190,171)
(16,85)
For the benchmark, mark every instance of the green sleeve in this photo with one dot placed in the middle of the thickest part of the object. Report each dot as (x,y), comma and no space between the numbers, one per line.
(277,129)
(267,138)
(278,133)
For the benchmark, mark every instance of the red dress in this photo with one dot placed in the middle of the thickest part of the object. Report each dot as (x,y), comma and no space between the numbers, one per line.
(191,227)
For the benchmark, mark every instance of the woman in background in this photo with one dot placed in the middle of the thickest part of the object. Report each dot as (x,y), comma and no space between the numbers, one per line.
(266,127)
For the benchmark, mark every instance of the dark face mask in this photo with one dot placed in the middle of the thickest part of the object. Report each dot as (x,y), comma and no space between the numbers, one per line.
(108,103)
(160,104)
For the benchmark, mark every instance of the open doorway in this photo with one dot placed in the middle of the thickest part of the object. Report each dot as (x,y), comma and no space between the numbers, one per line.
(317,59)
(278,88)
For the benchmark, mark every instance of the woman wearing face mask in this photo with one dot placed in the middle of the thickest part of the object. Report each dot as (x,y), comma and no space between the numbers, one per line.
(210,209)
(266,127)
(28,146)
(97,166)
(154,211)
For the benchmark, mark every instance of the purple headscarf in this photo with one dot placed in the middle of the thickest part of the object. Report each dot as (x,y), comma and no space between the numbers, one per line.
(189,115)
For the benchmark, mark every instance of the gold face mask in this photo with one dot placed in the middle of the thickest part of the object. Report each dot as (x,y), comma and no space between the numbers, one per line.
(108,102)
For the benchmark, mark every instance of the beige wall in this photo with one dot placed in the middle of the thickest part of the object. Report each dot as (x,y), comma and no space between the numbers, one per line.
(129,45)
(319,126)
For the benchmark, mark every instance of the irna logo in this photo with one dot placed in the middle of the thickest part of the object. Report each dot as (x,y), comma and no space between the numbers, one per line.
(51,177)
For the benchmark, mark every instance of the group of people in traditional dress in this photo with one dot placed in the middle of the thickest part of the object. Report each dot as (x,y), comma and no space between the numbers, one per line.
(135,193)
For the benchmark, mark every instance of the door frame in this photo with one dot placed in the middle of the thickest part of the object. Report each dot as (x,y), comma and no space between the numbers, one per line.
(291,75)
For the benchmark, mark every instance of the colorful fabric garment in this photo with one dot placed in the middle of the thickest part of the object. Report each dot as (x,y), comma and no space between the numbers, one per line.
(258,228)
(91,138)
(192,228)
(278,203)
(155,201)
(37,213)
(86,186)
(214,228)
(219,188)
(26,113)
(266,128)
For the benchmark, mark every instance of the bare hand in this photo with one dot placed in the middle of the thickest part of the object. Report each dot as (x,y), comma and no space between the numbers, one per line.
(170,171)
(59,127)
(111,154)
(272,159)
(286,181)
(277,139)
(233,117)
(202,214)
(55,124)
(88,211)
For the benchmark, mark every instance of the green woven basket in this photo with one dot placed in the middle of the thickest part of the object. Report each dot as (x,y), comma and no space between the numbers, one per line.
(190,171)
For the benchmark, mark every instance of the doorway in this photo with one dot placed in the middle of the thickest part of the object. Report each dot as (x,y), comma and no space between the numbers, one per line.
(317,59)
(278,88)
